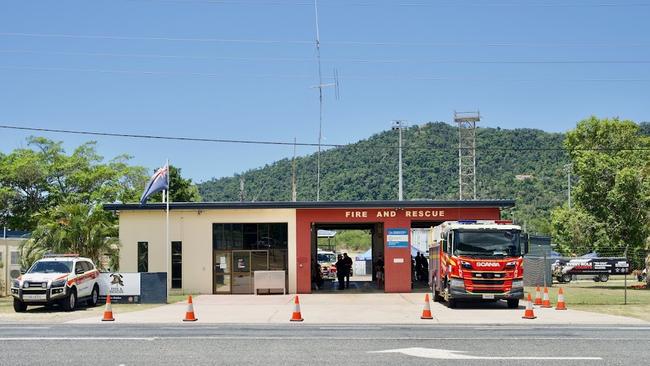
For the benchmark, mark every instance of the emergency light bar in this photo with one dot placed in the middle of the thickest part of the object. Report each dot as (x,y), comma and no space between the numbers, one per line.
(53,255)
(497,222)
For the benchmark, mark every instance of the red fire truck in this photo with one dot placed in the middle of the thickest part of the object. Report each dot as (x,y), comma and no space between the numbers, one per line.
(477,260)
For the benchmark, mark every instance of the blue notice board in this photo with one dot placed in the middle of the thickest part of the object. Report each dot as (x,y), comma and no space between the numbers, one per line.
(398,238)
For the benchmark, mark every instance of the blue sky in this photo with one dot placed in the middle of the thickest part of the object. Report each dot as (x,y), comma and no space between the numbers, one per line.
(204,68)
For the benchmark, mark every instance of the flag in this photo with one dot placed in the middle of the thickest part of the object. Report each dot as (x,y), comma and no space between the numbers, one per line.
(158,182)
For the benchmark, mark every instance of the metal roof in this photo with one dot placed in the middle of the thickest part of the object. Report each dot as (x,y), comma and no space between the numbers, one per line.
(307,205)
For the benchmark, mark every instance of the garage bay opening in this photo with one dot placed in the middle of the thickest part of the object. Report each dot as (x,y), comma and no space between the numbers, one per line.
(347,257)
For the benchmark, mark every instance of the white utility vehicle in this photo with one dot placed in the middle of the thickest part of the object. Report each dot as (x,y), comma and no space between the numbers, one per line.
(64,279)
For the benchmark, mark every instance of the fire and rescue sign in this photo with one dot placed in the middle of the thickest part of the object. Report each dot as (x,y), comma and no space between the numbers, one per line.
(123,287)
(398,238)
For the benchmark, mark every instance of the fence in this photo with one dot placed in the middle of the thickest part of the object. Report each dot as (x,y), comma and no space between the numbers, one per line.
(608,277)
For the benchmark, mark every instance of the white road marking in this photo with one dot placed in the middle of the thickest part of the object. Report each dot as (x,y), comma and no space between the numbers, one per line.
(310,338)
(21,328)
(445,354)
(39,339)
(349,328)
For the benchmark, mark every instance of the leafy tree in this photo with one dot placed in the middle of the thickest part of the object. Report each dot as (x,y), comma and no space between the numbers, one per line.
(612,196)
(36,179)
(78,228)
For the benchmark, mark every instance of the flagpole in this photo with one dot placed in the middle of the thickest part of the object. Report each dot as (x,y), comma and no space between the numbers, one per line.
(167,244)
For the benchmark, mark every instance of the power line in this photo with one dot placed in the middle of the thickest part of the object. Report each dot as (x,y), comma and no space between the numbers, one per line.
(408,4)
(349,60)
(305,76)
(292,143)
(339,43)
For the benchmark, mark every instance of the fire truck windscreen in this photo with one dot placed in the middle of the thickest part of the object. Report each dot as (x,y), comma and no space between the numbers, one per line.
(487,243)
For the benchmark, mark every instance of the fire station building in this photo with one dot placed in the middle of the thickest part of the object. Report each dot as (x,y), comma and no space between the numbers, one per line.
(216,247)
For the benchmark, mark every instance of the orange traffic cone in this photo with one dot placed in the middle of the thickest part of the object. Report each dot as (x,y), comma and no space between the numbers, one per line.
(108,313)
(546,302)
(561,305)
(189,314)
(426,312)
(538,296)
(529,314)
(296,316)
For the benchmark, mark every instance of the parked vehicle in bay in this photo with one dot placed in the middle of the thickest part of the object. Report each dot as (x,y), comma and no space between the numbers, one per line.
(598,268)
(477,260)
(63,279)
(327,260)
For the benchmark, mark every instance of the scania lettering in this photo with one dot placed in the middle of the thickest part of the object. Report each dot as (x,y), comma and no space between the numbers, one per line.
(477,260)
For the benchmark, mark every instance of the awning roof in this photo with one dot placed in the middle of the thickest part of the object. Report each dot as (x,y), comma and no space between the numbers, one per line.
(308,205)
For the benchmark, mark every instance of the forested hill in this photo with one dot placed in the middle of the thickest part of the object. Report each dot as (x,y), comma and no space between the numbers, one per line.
(524,164)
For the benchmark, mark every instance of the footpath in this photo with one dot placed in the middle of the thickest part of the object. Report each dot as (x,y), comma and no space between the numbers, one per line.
(353,309)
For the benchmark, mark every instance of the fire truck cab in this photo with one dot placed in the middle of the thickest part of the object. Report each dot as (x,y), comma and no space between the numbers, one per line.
(477,260)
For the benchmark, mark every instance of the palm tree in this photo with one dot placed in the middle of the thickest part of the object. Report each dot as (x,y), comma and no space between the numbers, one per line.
(78,228)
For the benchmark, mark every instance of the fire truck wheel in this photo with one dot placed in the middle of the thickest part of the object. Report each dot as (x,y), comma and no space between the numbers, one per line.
(451,303)
(436,296)
(513,303)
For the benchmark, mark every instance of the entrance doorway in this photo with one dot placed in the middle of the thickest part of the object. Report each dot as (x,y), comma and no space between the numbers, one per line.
(234,270)
(363,242)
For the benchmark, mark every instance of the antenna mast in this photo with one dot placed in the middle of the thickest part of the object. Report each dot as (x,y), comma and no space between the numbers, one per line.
(320,102)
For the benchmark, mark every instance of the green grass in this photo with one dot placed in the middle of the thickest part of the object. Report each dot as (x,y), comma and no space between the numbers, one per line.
(608,298)
(6,305)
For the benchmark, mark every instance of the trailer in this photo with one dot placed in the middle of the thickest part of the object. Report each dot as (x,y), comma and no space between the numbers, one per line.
(600,268)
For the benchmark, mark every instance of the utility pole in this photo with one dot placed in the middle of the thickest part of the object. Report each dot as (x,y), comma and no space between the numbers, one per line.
(467,153)
(400,125)
(241,189)
(293,173)
(568,168)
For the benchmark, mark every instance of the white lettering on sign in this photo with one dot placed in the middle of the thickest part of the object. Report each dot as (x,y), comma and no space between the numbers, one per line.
(398,260)
(386,213)
(487,264)
(356,214)
(424,213)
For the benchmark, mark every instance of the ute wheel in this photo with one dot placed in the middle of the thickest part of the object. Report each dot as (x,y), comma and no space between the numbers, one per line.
(94,297)
(566,278)
(513,303)
(70,302)
(19,306)
(603,277)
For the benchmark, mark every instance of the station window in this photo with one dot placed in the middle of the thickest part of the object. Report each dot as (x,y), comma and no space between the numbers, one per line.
(177,264)
(15,258)
(143,256)
(249,236)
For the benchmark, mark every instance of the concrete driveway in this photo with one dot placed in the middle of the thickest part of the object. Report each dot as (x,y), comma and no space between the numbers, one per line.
(352,309)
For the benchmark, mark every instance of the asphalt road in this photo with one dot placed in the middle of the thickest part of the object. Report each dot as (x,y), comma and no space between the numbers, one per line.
(301,344)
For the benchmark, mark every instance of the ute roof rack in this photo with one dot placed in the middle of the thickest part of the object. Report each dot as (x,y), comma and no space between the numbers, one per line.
(54,255)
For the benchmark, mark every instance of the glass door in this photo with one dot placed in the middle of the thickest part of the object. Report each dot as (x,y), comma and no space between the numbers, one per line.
(222,272)
(242,280)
